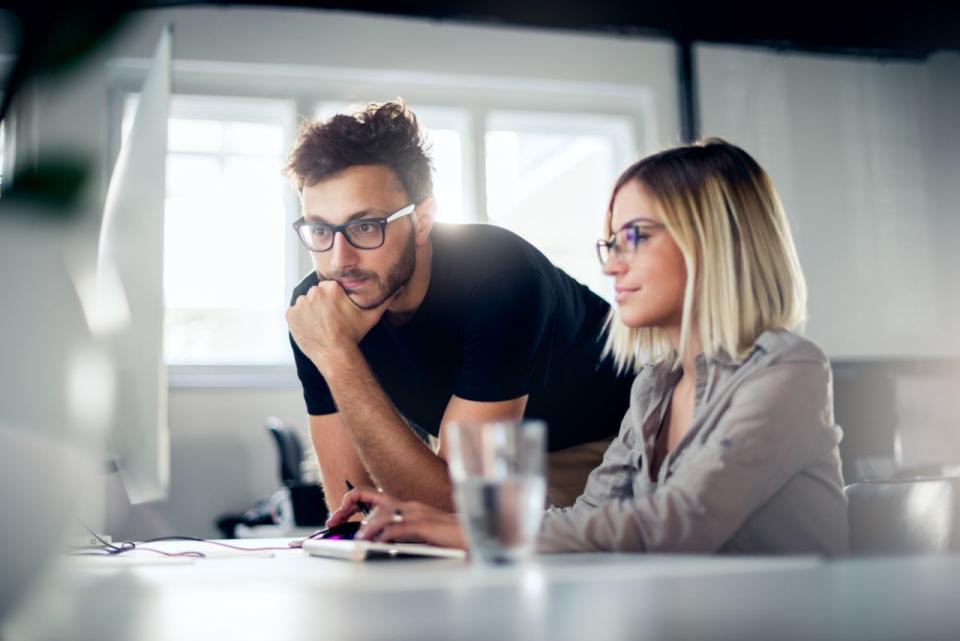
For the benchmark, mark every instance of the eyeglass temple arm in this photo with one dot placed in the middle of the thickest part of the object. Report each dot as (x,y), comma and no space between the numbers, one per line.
(400,214)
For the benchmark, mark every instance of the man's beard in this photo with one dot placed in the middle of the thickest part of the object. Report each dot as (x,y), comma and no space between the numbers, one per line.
(398,275)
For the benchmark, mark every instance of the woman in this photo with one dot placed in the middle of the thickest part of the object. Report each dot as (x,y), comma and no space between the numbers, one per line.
(729,443)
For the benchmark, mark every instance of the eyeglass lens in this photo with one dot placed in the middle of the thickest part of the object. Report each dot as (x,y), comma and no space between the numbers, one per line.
(360,233)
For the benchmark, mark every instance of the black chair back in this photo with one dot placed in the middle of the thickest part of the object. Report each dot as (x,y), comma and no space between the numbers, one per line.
(289,450)
(919,516)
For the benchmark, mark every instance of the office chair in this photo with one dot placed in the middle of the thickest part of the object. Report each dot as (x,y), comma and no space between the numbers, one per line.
(309,508)
(289,450)
(305,498)
(919,516)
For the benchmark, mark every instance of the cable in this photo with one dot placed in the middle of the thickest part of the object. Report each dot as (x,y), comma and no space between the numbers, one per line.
(112,550)
(220,543)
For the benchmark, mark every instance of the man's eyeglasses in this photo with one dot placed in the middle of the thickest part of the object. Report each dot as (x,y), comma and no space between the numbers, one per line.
(624,242)
(366,233)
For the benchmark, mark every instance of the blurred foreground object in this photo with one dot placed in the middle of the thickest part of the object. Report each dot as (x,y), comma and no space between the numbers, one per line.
(56,398)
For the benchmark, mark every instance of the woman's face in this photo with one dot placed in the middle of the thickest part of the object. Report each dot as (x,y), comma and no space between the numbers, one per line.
(647,266)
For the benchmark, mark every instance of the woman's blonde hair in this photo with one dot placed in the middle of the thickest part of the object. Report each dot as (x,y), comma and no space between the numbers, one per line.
(723,212)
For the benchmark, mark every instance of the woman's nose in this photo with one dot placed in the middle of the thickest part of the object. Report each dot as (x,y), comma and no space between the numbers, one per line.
(613,265)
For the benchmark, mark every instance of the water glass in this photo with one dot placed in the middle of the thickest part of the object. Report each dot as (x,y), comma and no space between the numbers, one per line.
(497,470)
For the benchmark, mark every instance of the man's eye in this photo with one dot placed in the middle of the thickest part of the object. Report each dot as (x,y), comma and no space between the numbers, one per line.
(321,232)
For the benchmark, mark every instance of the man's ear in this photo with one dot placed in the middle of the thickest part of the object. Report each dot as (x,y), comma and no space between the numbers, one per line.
(423,218)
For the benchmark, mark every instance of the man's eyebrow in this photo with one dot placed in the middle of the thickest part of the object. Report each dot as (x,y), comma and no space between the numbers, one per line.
(359,215)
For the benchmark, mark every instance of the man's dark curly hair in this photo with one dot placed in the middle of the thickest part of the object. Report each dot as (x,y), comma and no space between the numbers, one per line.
(381,134)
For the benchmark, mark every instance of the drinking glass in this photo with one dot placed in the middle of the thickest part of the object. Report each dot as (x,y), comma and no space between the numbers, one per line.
(497,470)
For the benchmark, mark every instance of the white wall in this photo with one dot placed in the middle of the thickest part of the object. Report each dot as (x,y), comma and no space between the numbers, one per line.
(866,155)
(357,55)
(222,458)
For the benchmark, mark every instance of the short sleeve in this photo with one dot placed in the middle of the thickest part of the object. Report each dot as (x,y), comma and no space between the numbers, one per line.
(316,393)
(505,342)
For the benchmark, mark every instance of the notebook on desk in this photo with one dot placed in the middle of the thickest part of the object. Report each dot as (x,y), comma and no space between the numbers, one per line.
(370,550)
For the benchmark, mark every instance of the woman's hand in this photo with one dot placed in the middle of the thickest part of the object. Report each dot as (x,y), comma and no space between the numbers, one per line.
(393,520)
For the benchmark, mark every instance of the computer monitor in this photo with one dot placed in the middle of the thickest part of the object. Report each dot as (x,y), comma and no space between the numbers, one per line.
(130,255)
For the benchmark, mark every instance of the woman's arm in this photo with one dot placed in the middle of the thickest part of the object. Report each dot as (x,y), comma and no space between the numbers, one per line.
(775,425)
(605,480)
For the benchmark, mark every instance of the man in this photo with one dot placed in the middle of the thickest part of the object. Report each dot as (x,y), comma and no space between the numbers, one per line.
(405,325)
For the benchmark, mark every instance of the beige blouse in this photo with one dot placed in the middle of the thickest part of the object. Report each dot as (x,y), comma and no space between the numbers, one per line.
(757,473)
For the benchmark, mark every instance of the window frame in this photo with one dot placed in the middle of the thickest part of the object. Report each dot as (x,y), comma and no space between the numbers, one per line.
(616,130)
(474,97)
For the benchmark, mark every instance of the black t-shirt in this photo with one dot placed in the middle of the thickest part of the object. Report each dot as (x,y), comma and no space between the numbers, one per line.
(498,321)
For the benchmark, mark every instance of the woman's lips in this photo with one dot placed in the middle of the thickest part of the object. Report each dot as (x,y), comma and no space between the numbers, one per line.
(621,293)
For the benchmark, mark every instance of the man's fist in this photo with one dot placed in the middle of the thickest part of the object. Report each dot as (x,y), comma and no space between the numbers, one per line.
(325,319)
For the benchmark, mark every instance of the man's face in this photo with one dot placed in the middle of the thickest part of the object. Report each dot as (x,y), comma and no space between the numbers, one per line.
(368,276)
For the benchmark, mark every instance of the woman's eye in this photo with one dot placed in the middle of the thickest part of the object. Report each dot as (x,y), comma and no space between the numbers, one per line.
(321,232)
(634,237)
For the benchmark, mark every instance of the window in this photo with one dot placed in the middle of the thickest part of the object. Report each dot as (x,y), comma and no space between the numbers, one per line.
(548,179)
(229,261)
(548,176)
(448,134)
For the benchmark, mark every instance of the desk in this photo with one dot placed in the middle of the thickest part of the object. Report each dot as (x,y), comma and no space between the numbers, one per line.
(595,596)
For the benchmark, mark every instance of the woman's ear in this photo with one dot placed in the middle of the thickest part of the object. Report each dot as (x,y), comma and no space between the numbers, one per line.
(423,218)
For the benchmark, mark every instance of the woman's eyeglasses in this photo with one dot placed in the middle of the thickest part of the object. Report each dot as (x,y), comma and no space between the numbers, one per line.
(624,242)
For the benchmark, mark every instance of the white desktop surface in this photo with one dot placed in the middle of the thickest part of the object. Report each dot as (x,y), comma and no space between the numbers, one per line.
(589,596)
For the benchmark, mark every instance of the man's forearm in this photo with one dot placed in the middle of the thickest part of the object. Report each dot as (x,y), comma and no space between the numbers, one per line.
(399,462)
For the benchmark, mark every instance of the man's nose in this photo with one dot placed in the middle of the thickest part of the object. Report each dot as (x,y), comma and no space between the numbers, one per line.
(342,254)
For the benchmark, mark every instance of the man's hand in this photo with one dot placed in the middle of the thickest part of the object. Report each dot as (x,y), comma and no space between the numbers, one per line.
(324,321)
(395,520)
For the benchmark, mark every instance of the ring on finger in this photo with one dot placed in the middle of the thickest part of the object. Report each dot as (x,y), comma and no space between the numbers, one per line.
(397,516)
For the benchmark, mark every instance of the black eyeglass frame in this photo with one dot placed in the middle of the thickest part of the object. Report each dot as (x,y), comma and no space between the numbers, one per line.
(334,229)
(610,245)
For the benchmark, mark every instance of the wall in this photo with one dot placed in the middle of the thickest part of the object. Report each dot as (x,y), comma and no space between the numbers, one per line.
(865,155)
(222,461)
(354,54)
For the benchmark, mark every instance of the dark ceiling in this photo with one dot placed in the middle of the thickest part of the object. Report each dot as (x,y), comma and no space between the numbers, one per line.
(899,28)
(911,29)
